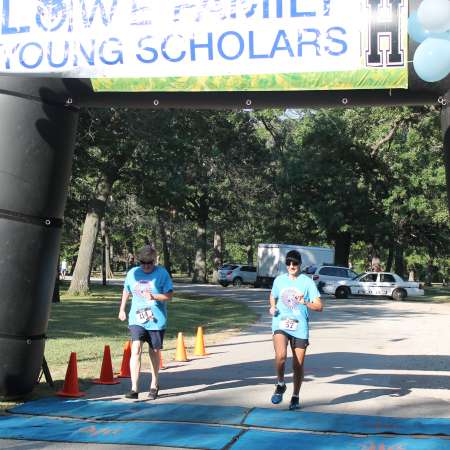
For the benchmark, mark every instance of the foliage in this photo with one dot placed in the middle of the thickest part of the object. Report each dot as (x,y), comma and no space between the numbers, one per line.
(366,180)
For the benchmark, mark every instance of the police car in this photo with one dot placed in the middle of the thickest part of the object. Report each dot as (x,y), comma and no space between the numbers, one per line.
(386,284)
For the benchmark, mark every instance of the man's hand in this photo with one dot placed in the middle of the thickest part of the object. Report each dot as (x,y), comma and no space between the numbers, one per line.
(122,315)
(273,310)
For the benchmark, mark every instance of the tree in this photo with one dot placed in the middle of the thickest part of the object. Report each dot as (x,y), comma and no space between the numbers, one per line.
(105,139)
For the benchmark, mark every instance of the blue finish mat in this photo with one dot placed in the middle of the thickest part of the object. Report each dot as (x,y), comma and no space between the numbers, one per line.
(110,410)
(209,437)
(139,433)
(268,440)
(216,427)
(345,423)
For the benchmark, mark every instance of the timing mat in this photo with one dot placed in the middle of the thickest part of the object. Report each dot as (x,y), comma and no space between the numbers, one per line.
(216,427)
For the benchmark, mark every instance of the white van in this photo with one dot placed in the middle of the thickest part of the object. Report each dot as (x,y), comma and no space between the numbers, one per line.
(271,260)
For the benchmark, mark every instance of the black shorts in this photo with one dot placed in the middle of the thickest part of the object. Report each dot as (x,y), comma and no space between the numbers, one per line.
(154,338)
(295,342)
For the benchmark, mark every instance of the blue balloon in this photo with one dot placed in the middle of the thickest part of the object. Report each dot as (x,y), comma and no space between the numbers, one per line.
(415,29)
(432,59)
(418,33)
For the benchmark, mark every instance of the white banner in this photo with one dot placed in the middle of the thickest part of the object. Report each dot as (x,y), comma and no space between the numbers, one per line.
(197,38)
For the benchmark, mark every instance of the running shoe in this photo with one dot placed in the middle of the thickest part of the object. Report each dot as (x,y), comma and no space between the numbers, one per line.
(277,396)
(132,394)
(295,403)
(153,393)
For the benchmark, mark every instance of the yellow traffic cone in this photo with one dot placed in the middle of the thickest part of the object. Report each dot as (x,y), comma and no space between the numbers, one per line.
(199,349)
(180,354)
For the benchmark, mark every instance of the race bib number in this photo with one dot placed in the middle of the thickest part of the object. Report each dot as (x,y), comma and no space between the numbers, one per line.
(144,315)
(289,324)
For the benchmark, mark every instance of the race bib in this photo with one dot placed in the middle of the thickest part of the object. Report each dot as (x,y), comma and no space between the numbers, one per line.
(144,315)
(289,324)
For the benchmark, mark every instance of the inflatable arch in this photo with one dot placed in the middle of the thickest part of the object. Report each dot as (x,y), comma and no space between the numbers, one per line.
(57,56)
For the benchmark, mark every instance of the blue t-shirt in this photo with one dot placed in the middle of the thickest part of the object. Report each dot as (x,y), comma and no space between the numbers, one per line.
(292,316)
(137,282)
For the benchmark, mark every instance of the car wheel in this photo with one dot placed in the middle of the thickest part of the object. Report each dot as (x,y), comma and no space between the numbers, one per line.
(399,294)
(237,282)
(342,292)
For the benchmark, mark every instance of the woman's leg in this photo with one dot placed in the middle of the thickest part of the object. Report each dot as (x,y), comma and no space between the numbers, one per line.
(298,358)
(280,342)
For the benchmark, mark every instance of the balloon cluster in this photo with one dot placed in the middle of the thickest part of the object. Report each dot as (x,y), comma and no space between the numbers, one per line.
(430,26)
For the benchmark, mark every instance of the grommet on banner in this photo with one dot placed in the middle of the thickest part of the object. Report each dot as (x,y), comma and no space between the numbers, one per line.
(47,222)
(442,100)
(156,102)
(344,100)
(248,102)
(69,101)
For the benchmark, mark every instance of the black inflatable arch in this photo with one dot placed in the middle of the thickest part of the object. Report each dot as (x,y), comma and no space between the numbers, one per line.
(37,128)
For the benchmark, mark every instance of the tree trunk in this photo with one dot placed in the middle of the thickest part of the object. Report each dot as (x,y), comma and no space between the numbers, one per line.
(399,262)
(103,235)
(429,274)
(164,240)
(200,255)
(56,297)
(217,255)
(342,244)
(200,274)
(80,279)
(190,269)
(109,256)
(249,251)
(390,258)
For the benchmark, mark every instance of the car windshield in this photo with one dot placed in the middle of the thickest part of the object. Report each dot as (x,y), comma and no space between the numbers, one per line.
(357,275)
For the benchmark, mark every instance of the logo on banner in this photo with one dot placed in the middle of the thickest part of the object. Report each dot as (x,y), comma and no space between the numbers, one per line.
(385,47)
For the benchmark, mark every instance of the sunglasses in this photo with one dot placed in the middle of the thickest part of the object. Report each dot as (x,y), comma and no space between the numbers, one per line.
(291,261)
(147,263)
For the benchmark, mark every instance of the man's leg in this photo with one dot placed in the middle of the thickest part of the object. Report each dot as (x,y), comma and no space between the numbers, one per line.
(135,364)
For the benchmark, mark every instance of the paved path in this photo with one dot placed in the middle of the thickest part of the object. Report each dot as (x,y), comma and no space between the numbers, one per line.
(367,356)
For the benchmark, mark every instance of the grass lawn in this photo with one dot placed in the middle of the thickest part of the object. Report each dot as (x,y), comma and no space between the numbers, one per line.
(86,324)
(435,294)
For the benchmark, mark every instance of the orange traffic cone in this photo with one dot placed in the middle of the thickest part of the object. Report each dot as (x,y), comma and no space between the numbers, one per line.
(161,363)
(125,367)
(106,374)
(199,349)
(70,388)
(180,354)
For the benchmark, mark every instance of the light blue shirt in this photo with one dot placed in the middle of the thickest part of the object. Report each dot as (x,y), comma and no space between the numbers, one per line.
(137,283)
(291,313)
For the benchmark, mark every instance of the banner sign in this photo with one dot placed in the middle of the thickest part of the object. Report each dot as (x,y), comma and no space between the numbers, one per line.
(209,45)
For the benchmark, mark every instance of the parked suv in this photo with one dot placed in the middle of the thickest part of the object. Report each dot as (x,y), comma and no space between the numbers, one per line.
(237,274)
(324,274)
